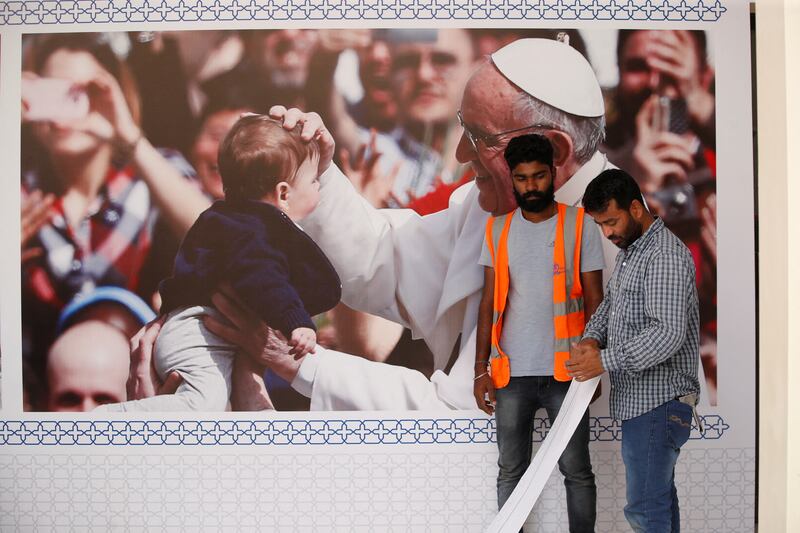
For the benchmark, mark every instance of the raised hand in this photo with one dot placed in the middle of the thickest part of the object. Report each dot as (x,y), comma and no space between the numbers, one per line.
(335,41)
(674,54)
(659,155)
(365,175)
(113,120)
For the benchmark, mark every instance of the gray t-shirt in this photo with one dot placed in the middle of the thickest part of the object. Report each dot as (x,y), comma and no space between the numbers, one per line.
(528,336)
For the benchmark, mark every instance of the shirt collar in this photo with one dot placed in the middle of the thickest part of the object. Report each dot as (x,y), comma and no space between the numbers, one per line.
(571,193)
(117,182)
(647,236)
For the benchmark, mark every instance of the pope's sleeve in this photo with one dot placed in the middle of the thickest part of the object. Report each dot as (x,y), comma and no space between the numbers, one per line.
(392,262)
(338,381)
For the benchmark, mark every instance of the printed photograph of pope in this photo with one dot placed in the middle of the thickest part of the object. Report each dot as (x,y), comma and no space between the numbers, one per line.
(423,272)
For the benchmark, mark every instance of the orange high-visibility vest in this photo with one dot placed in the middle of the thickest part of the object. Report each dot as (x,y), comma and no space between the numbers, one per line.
(567,290)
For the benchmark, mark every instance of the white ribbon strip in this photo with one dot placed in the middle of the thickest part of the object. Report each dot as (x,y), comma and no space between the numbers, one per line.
(520,503)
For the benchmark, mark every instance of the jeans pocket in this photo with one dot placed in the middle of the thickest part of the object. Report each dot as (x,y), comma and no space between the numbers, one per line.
(679,423)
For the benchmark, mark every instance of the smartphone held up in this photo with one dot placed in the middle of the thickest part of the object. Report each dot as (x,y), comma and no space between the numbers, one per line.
(53,100)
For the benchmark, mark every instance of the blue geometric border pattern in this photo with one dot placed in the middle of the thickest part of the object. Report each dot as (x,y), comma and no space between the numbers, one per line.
(287,432)
(147,11)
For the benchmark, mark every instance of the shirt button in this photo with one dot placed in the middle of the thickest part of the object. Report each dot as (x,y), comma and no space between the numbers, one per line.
(624,263)
(76,265)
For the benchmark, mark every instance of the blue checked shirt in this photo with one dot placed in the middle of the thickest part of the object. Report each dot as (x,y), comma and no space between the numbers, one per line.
(648,324)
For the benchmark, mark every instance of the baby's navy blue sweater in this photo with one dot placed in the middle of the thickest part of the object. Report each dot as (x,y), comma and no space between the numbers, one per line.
(271,264)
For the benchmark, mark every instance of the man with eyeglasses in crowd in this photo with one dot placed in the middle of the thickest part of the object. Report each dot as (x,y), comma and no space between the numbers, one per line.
(427,70)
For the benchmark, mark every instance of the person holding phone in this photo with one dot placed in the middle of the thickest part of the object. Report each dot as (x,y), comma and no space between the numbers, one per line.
(664,134)
(92,184)
(664,105)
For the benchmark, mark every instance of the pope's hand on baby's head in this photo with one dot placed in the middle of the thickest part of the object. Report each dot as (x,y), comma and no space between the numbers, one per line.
(312,128)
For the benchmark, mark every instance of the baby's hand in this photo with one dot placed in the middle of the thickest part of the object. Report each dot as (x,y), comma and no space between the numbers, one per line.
(303,342)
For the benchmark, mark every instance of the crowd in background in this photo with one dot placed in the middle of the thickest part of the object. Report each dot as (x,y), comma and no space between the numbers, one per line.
(107,196)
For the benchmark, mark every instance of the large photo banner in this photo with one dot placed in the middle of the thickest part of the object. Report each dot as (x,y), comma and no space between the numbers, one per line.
(310,297)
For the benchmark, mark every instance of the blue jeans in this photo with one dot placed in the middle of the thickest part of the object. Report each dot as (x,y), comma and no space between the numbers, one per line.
(517,402)
(651,444)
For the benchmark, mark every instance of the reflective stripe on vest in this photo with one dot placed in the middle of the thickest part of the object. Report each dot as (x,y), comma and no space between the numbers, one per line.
(568,319)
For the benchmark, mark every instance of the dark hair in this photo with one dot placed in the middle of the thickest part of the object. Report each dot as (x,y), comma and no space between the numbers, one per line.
(257,154)
(529,148)
(228,97)
(611,184)
(698,36)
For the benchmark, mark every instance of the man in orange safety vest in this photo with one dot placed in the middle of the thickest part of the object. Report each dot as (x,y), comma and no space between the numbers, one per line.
(543,280)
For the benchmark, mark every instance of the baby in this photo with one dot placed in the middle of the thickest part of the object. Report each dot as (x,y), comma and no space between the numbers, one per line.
(249,240)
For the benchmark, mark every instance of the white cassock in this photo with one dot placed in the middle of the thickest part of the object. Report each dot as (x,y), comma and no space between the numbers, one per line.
(420,271)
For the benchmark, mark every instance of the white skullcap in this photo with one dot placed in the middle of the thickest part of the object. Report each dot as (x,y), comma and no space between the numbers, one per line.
(552,72)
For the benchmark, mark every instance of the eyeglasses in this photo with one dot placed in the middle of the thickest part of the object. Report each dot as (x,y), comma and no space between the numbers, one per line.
(440,61)
(493,141)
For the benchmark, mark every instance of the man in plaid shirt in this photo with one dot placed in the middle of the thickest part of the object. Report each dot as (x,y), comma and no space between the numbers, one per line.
(645,334)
